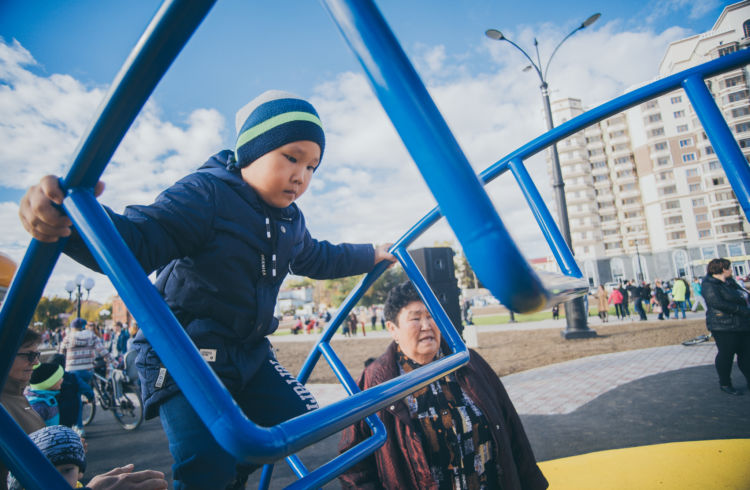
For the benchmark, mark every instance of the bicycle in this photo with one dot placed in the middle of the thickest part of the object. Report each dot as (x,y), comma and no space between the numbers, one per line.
(697,340)
(114,391)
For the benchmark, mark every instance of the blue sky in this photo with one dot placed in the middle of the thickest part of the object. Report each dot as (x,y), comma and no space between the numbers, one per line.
(57,60)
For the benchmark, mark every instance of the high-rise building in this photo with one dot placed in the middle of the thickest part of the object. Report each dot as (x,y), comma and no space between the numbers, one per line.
(646,194)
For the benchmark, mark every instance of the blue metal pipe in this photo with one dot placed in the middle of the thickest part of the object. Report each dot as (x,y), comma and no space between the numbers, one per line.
(552,234)
(727,150)
(460,195)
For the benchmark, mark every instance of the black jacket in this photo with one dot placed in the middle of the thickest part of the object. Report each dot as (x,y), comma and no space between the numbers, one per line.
(727,306)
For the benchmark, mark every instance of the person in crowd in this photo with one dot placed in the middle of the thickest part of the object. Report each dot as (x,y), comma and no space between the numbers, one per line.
(615,298)
(43,389)
(679,290)
(602,303)
(697,296)
(132,331)
(637,293)
(69,397)
(556,312)
(625,299)
(81,347)
(661,298)
(728,320)
(460,431)
(688,292)
(120,342)
(351,322)
(223,240)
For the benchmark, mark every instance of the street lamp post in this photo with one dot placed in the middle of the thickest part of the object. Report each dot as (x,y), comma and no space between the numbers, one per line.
(640,267)
(75,285)
(575,310)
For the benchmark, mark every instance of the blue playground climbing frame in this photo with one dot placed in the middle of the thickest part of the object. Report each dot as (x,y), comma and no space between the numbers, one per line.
(458,191)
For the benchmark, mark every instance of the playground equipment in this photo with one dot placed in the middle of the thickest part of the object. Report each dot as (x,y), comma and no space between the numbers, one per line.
(461,200)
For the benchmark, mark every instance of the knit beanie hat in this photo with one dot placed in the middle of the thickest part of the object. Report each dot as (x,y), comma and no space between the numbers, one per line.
(274,119)
(78,323)
(45,376)
(60,444)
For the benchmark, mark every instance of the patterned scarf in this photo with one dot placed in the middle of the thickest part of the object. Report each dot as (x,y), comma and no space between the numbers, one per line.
(455,433)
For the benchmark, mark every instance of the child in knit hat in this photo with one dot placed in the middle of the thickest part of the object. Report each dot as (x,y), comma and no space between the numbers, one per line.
(64,448)
(223,239)
(43,389)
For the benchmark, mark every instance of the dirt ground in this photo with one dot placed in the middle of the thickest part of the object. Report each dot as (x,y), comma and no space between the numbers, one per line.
(508,351)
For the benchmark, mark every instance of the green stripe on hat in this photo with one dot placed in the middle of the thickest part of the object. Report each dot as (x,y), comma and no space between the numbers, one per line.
(275,121)
(49,382)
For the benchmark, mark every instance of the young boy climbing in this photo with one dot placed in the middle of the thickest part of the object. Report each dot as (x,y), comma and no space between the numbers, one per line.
(223,239)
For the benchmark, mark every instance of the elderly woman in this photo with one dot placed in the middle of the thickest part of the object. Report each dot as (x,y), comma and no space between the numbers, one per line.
(458,432)
(728,319)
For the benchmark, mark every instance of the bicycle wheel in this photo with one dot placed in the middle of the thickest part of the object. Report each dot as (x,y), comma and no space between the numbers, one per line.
(697,340)
(88,410)
(128,408)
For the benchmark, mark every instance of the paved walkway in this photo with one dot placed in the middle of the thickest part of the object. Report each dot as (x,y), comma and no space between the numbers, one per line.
(564,387)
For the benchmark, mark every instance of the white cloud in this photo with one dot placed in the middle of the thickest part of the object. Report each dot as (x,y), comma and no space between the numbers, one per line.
(368,188)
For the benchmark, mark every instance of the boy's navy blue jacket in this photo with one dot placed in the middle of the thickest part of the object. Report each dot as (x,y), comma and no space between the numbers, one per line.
(209,236)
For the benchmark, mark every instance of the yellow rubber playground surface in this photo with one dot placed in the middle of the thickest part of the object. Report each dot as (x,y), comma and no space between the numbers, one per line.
(699,465)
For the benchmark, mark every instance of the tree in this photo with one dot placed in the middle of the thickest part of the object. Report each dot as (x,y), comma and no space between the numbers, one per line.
(378,292)
(48,311)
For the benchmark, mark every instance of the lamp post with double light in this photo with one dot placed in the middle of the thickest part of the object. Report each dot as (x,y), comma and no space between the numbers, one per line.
(575,310)
(75,286)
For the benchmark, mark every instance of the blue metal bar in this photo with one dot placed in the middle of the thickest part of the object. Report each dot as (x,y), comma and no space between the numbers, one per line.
(727,150)
(239,436)
(460,195)
(560,249)
(24,459)
(165,36)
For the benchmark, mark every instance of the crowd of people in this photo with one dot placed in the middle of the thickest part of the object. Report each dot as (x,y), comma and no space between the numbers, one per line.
(664,298)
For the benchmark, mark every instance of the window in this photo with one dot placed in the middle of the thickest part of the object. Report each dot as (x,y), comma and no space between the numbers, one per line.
(746,28)
(656,132)
(742,127)
(668,175)
(678,114)
(662,145)
(691,172)
(628,201)
(620,147)
(633,214)
(723,196)
(653,118)
(599,164)
(600,178)
(676,100)
(744,143)
(718,181)
(714,165)
(686,142)
(708,253)
(676,235)
(651,104)
(733,228)
(723,213)
(682,128)
(704,233)
(694,187)
(709,150)
(736,96)
(662,161)
(628,187)
(671,205)
(688,157)
(621,160)
(731,82)
(727,50)
(673,220)
(699,218)
(698,202)
(741,111)
(735,249)
(624,173)
(666,190)
(615,134)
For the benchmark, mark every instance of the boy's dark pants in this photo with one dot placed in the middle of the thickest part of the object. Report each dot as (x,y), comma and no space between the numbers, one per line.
(272,396)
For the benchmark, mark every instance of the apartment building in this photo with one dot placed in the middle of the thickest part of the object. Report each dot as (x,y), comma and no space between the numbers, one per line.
(646,195)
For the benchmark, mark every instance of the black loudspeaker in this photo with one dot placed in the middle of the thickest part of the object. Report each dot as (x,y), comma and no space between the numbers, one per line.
(436,265)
